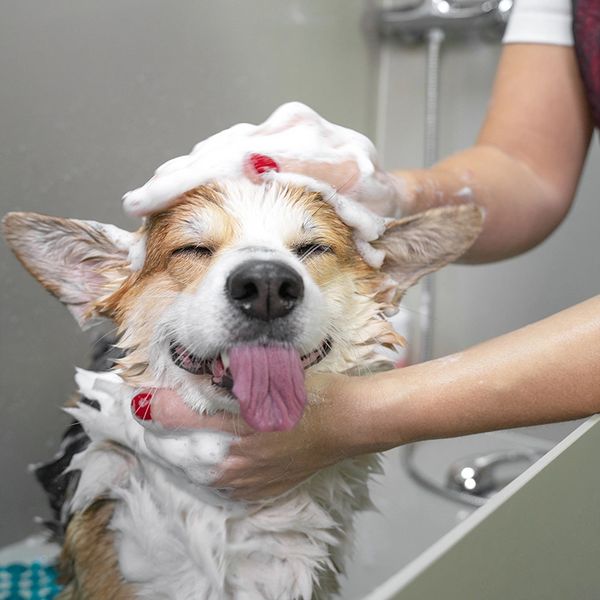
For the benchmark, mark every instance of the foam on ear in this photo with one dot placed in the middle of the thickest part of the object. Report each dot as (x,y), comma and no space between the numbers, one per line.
(425,242)
(79,262)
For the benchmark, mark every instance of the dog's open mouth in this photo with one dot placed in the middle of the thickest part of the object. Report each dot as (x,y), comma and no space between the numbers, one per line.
(268,381)
(218,367)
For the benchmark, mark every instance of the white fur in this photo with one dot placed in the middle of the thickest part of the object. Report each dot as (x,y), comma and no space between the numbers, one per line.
(177,539)
(193,455)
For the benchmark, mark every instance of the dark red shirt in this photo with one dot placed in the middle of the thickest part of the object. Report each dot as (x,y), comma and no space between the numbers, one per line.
(586,29)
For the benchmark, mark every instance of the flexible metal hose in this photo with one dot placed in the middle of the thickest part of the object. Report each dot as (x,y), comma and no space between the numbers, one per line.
(435,39)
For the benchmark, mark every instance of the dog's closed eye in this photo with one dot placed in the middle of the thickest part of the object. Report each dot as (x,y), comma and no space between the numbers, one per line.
(193,250)
(305,251)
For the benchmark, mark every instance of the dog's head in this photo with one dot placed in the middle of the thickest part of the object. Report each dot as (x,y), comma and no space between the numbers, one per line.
(242,288)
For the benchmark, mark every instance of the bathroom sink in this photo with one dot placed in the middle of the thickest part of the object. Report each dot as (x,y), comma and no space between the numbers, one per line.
(410,518)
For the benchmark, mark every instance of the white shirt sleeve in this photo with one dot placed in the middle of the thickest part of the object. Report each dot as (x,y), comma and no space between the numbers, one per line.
(540,22)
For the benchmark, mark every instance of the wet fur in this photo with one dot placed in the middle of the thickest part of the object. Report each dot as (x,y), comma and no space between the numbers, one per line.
(88,564)
(135,300)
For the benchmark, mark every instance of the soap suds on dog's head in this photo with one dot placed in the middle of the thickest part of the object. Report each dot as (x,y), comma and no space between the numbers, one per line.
(292,135)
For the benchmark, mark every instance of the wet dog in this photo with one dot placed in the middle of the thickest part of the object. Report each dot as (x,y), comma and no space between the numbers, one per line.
(242,288)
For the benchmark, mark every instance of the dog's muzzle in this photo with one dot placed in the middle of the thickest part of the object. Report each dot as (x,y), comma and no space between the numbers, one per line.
(261,368)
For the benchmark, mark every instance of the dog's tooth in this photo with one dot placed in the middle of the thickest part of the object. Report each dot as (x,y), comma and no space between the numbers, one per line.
(225,359)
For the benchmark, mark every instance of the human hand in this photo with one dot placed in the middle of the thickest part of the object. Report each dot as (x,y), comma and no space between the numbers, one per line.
(386,194)
(261,465)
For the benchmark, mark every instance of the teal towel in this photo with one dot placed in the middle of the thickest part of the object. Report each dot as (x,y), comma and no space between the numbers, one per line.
(33,581)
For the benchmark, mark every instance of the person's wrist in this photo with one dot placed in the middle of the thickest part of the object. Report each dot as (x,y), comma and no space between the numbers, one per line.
(360,401)
(390,414)
(407,186)
(335,410)
(361,415)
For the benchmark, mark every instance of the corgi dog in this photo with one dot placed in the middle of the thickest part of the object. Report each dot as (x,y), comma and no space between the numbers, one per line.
(243,287)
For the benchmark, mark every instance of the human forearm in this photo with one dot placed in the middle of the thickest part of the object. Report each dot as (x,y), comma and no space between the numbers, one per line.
(521,209)
(545,372)
(527,161)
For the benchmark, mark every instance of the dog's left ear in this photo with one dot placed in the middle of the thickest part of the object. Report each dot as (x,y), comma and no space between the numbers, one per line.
(423,243)
(79,262)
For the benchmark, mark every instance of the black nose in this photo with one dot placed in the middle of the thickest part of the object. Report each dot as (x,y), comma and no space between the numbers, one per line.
(265,290)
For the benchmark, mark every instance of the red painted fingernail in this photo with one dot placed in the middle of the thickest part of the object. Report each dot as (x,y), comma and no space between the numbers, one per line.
(140,406)
(262,163)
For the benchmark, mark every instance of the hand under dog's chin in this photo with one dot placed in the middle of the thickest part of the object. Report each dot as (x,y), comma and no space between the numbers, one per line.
(201,395)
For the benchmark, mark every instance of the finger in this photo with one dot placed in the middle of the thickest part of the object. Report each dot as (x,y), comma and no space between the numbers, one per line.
(255,447)
(343,176)
(236,480)
(170,411)
(237,472)
(165,408)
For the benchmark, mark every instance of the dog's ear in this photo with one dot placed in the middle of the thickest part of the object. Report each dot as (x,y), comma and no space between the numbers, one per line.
(77,261)
(423,243)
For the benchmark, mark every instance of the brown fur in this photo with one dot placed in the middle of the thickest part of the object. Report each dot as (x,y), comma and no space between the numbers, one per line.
(88,564)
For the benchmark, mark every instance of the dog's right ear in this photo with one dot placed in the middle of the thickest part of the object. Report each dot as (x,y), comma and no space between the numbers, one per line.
(79,262)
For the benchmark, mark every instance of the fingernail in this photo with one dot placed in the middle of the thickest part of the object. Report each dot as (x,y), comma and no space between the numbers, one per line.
(262,163)
(140,406)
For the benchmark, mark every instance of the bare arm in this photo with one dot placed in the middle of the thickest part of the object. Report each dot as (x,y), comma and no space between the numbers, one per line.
(542,373)
(528,157)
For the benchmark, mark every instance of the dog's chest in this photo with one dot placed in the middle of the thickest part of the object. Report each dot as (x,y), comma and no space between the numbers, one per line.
(171,542)
(176,539)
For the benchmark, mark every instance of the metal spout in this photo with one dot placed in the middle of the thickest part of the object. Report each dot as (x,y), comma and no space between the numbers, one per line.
(451,16)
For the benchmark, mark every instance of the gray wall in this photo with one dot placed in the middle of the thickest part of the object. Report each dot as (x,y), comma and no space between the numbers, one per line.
(94,96)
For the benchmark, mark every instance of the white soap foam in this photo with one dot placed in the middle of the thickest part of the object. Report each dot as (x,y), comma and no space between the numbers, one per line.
(293,132)
(194,455)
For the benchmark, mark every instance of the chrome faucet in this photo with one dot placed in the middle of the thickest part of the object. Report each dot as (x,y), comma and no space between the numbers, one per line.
(412,21)
(477,475)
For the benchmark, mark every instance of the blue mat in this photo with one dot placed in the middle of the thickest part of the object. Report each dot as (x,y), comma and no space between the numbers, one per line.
(33,581)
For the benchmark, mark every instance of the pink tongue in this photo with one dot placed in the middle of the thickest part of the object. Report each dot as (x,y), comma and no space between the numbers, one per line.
(269,383)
